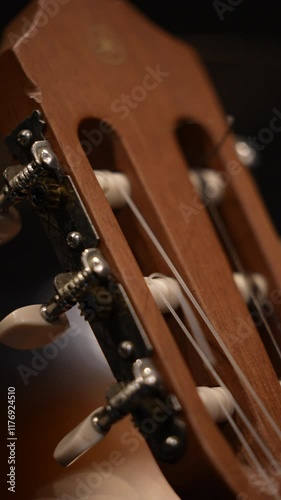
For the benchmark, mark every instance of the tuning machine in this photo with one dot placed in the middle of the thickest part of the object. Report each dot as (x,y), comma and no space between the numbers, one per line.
(34,326)
(155,417)
(70,287)
(143,398)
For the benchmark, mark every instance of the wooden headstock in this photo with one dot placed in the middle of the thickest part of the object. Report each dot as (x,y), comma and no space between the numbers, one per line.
(118,94)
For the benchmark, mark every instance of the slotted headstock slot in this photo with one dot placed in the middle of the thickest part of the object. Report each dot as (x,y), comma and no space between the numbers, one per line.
(197,147)
(233,229)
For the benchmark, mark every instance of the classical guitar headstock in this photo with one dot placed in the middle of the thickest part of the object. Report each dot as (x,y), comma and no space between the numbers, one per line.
(125,154)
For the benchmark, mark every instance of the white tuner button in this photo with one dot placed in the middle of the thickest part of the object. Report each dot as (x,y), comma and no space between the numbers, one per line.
(25,328)
(247,154)
(10,225)
(164,288)
(253,285)
(208,183)
(217,401)
(86,435)
(114,185)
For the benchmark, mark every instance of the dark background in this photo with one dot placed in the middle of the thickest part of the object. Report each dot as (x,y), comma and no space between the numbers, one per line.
(243,55)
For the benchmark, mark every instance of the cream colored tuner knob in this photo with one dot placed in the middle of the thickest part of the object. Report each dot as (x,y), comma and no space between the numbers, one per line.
(217,401)
(208,183)
(114,186)
(255,285)
(86,435)
(10,225)
(164,288)
(26,328)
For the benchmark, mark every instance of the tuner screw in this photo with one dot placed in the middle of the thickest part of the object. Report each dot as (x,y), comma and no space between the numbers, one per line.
(126,349)
(98,423)
(171,447)
(74,239)
(25,137)
(172,442)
